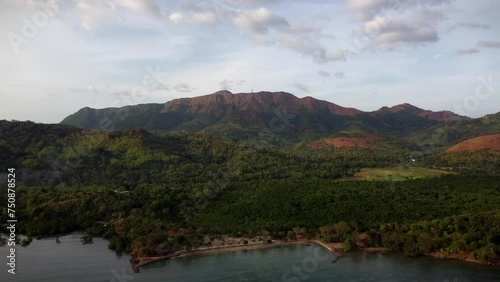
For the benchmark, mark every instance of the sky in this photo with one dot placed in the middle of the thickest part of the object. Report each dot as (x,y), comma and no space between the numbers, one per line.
(57,57)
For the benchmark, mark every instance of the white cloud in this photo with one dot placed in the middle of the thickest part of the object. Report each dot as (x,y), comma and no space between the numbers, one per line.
(392,23)
(176,17)
(202,13)
(204,18)
(302,38)
(389,32)
(93,12)
(313,49)
(259,21)
(145,6)
(307,41)
(363,10)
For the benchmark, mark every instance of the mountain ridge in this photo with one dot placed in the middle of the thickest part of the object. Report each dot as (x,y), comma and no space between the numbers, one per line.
(261,101)
(284,118)
(239,99)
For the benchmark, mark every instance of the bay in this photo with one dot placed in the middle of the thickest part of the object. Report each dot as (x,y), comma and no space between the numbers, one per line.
(47,261)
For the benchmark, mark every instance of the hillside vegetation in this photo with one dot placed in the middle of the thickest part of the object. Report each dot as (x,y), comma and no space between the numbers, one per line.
(161,192)
(55,154)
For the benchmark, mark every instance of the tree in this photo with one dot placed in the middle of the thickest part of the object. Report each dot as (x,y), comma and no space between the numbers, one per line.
(348,244)
(86,239)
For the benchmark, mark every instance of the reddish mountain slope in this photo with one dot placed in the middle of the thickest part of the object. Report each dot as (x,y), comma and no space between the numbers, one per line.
(476,144)
(256,102)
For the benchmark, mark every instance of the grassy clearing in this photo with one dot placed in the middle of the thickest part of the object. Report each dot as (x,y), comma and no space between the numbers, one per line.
(397,173)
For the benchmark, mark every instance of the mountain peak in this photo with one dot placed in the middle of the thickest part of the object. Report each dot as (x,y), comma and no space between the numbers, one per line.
(406,106)
(399,108)
(445,116)
(222,93)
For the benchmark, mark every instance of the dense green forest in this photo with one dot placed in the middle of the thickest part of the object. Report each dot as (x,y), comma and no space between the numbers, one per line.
(154,193)
(55,154)
(444,212)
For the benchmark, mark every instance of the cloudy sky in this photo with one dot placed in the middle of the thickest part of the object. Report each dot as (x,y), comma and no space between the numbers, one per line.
(59,56)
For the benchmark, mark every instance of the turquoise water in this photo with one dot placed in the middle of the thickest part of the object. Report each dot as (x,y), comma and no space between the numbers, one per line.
(45,260)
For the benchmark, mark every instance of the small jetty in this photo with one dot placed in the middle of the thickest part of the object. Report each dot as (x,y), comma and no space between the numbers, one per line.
(336,259)
(338,253)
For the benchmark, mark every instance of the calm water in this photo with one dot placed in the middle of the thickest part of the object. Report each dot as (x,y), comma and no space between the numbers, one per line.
(45,260)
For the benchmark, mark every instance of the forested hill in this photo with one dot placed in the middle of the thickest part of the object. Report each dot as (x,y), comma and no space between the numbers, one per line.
(452,133)
(60,154)
(52,154)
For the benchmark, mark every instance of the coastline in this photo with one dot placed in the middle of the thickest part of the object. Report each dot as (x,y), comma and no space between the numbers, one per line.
(464,257)
(334,248)
(142,261)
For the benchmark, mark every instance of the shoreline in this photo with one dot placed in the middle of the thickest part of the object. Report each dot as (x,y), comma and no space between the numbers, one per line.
(334,248)
(142,261)
(463,258)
